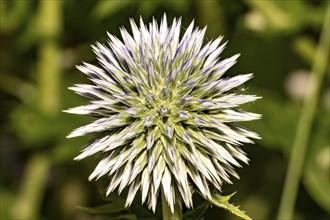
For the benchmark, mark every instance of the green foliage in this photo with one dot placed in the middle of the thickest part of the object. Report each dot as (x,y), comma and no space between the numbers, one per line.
(278,114)
(197,213)
(284,113)
(316,174)
(223,202)
(114,208)
(107,208)
(271,49)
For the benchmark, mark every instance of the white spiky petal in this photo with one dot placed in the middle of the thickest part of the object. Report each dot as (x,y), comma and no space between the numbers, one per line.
(166,120)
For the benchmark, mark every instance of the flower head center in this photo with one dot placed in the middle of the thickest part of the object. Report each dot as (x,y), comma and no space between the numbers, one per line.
(164,110)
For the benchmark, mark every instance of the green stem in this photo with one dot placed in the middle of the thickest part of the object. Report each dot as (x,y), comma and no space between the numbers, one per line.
(297,156)
(29,199)
(49,61)
(167,214)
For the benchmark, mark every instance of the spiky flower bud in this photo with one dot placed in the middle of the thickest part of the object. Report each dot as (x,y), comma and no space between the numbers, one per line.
(166,117)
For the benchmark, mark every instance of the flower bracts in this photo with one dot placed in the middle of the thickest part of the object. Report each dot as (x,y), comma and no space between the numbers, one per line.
(166,119)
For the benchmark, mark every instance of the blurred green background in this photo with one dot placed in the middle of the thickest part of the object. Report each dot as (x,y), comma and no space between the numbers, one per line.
(42,41)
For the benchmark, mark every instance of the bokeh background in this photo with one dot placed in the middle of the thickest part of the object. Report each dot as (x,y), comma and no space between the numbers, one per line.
(42,41)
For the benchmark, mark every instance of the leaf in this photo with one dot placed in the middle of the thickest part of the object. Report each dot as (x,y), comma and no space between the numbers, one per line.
(197,213)
(124,217)
(107,208)
(223,202)
(142,212)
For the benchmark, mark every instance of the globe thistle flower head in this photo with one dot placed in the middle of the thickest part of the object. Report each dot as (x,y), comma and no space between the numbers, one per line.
(166,117)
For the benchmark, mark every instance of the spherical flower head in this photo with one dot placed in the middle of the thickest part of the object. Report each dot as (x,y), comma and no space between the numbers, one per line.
(166,118)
